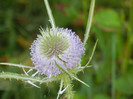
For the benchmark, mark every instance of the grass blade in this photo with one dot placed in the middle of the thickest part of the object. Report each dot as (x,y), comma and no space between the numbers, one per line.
(113,64)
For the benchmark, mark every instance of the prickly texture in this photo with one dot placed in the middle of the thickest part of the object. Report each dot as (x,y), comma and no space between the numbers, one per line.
(60,45)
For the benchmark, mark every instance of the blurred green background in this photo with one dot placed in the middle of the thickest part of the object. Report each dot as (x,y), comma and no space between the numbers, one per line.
(113,58)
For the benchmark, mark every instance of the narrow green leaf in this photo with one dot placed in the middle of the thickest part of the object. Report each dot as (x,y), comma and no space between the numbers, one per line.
(92,54)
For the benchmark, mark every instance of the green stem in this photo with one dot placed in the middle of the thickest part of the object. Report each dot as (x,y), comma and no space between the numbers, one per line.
(61,85)
(131,13)
(17,65)
(113,64)
(50,14)
(89,22)
(128,48)
(68,91)
(8,75)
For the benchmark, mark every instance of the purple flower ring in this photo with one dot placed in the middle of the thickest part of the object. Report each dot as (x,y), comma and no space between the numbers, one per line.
(60,45)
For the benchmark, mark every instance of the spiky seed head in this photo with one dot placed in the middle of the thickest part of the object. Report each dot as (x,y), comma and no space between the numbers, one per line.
(60,45)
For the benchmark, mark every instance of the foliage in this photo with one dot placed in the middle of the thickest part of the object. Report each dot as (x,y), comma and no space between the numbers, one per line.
(19,23)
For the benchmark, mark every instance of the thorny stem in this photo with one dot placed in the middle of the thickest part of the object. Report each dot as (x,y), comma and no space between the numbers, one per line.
(89,22)
(61,85)
(66,80)
(70,75)
(17,65)
(49,14)
(8,75)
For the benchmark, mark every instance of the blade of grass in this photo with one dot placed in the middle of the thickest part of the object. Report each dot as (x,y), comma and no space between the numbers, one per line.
(128,48)
(89,22)
(50,14)
(113,65)
(131,13)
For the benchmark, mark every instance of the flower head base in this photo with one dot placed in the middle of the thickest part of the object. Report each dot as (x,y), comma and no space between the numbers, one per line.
(59,45)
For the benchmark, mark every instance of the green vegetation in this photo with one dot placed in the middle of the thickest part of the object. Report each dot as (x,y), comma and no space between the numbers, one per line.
(111,74)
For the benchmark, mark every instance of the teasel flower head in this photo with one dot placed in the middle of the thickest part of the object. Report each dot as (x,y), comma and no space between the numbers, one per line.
(56,46)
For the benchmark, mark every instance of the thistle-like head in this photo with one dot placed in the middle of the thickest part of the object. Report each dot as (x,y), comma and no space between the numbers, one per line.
(56,46)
